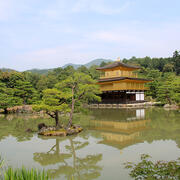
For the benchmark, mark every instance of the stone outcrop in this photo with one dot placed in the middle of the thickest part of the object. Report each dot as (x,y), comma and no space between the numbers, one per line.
(74,130)
(171,106)
(20,109)
(53,131)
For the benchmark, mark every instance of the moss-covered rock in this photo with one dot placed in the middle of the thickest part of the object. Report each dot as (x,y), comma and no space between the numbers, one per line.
(60,132)
(74,129)
(52,131)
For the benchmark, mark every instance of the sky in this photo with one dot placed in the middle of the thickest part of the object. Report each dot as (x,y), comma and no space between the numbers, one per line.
(52,33)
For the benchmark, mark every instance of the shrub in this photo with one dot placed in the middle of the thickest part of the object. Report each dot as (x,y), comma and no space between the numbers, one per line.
(146,169)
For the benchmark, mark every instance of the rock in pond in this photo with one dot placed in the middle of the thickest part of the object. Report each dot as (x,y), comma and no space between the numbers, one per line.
(74,130)
(53,131)
(60,132)
(29,130)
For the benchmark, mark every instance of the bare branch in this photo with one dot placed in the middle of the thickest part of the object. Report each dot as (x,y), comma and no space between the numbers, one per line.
(51,115)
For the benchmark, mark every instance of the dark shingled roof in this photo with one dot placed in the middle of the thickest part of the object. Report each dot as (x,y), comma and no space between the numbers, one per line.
(122,78)
(117,64)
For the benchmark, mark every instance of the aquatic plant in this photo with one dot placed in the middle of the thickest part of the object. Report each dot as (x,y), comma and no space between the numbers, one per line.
(1,166)
(1,162)
(146,169)
(24,174)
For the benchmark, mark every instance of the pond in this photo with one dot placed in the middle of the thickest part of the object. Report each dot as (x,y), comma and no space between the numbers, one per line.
(110,138)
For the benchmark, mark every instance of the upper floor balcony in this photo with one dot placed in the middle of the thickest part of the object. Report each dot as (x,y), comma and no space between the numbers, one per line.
(118,73)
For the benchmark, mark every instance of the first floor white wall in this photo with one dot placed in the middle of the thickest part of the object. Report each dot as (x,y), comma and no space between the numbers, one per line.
(139,96)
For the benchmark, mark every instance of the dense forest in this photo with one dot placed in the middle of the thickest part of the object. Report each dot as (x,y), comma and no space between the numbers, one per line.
(165,73)
(18,88)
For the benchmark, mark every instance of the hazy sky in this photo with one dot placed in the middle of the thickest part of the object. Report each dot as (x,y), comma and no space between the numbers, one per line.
(51,33)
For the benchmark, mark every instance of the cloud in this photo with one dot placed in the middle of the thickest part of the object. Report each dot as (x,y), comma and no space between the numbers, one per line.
(14,10)
(63,8)
(40,11)
(48,34)
(134,40)
(6,8)
(139,39)
(99,6)
(55,57)
(116,37)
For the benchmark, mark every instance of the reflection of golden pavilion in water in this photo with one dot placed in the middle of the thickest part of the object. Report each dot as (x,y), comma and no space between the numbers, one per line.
(122,134)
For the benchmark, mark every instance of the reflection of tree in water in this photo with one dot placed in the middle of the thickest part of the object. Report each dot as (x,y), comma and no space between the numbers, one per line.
(17,124)
(53,156)
(79,168)
(165,125)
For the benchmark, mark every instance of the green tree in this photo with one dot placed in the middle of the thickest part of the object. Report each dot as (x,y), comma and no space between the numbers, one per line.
(10,78)
(63,73)
(176,89)
(168,68)
(7,98)
(176,60)
(16,82)
(94,73)
(33,78)
(53,103)
(168,90)
(42,84)
(82,89)
(155,75)
(25,91)
(83,69)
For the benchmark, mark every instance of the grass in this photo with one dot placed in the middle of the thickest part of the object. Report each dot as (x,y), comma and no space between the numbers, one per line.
(1,163)
(1,166)
(24,174)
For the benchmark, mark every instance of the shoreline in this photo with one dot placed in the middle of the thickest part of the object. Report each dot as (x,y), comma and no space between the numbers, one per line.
(134,105)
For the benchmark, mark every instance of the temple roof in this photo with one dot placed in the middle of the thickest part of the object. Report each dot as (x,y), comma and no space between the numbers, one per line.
(117,64)
(122,78)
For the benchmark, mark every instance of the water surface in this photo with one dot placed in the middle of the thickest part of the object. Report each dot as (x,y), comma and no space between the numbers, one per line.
(111,137)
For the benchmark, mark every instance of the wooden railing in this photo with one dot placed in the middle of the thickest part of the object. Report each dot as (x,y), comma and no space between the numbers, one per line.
(112,74)
(123,86)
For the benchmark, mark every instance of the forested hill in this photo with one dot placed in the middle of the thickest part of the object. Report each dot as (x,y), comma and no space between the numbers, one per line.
(6,70)
(39,71)
(96,62)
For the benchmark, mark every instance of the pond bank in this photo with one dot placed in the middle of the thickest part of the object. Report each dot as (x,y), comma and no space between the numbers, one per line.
(117,106)
(29,109)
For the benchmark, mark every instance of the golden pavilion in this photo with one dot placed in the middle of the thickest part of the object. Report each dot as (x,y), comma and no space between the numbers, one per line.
(120,84)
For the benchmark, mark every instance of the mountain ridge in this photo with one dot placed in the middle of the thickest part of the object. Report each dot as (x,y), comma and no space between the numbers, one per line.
(89,64)
(45,71)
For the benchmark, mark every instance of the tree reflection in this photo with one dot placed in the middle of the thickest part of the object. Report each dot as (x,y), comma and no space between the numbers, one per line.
(53,156)
(17,124)
(71,164)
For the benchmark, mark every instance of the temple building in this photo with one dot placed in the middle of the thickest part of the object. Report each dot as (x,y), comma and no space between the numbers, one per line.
(119,84)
